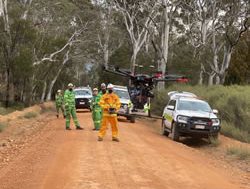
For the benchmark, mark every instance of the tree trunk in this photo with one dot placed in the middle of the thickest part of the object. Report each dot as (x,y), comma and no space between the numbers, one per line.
(218,80)
(225,63)
(7,95)
(201,77)
(51,86)
(44,91)
(65,60)
(211,79)
(133,58)
(164,43)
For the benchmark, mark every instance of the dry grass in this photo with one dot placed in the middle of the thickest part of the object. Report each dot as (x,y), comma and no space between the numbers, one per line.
(241,153)
(30,115)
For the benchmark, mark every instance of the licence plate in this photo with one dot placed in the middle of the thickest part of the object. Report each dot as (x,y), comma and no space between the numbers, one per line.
(200,126)
(82,102)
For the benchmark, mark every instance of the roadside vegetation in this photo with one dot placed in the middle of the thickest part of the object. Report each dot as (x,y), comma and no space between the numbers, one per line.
(13,107)
(30,115)
(3,125)
(233,103)
(239,152)
(47,109)
(214,142)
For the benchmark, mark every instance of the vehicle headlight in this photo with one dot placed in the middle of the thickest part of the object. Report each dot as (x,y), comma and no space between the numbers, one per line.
(125,106)
(182,119)
(216,122)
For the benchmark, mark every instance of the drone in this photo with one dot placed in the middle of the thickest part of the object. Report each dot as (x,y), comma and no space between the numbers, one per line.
(141,87)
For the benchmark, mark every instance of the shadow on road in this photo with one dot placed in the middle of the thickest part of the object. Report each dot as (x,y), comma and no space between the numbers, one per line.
(194,142)
(124,120)
(83,111)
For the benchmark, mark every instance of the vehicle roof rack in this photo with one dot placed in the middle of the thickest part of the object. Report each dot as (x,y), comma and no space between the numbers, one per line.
(178,94)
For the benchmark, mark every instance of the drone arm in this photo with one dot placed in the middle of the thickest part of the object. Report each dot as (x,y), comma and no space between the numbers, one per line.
(115,72)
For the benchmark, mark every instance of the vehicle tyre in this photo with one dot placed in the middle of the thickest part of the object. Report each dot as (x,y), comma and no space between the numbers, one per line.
(149,113)
(163,131)
(132,119)
(175,133)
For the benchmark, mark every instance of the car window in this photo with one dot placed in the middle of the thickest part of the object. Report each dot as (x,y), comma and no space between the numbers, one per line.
(122,93)
(82,92)
(172,103)
(193,106)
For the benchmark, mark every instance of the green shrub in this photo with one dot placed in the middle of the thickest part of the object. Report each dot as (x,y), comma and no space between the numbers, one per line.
(239,152)
(30,115)
(233,103)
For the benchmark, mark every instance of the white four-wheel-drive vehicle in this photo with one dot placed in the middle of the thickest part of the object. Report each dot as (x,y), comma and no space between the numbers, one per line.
(83,96)
(126,105)
(186,115)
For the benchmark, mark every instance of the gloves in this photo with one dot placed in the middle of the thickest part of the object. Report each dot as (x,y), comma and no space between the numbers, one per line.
(112,110)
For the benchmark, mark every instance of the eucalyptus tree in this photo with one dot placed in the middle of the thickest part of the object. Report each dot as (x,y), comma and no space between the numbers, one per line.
(138,18)
(214,29)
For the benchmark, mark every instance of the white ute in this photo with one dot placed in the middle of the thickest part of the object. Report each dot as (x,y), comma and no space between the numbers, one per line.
(126,105)
(186,115)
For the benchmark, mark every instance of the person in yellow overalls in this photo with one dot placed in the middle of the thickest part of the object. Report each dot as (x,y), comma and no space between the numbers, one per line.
(110,104)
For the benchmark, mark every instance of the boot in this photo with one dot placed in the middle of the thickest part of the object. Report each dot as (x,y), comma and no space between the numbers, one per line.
(115,139)
(100,139)
(68,128)
(79,128)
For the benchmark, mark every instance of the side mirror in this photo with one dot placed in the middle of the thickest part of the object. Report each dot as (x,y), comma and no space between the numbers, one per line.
(169,107)
(215,111)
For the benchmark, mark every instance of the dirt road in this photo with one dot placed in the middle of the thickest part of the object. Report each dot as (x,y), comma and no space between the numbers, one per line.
(59,159)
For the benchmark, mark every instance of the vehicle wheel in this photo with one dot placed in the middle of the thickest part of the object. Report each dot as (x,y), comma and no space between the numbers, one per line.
(163,131)
(132,119)
(175,133)
(149,113)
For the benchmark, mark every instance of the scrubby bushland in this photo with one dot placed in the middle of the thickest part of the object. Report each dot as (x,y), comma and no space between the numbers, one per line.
(30,115)
(233,103)
(239,152)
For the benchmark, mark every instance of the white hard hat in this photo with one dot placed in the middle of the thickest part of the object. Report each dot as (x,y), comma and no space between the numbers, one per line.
(95,89)
(103,85)
(59,91)
(70,85)
(110,86)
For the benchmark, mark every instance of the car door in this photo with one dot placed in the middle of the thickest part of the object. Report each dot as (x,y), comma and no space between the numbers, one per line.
(168,113)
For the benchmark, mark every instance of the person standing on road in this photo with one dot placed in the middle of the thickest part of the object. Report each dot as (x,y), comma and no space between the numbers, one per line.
(100,94)
(96,110)
(103,89)
(59,103)
(69,101)
(109,103)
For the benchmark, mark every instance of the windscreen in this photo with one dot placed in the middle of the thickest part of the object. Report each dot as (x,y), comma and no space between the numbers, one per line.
(193,106)
(82,92)
(122,93)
